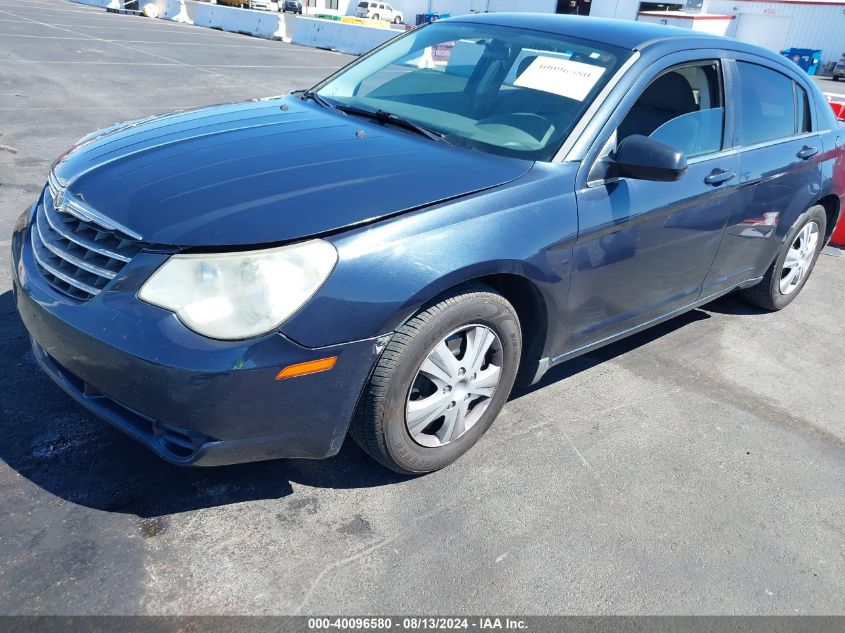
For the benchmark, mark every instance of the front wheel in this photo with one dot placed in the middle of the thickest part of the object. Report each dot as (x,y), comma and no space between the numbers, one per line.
(397,20)
(793,265)
(440,382)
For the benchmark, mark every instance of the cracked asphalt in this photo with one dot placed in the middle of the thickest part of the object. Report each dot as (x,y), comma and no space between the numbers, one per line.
(696,468)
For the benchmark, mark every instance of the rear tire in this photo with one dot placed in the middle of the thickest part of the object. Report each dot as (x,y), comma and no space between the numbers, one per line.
(375,16)
(461,402)
(797,258)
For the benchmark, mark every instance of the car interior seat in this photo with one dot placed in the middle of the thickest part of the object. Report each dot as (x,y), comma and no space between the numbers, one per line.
(668,97)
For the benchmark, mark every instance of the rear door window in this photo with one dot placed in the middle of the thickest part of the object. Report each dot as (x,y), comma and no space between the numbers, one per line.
(802,102)
(767,105)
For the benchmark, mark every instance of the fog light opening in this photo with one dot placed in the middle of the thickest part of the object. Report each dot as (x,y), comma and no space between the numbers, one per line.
(177,442)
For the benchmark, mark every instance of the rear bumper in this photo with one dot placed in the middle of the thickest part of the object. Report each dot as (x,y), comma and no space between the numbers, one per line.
(192,400)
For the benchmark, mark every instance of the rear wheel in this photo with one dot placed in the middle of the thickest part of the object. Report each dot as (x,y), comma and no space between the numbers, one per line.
(440,382)
(375,16)
(793,265)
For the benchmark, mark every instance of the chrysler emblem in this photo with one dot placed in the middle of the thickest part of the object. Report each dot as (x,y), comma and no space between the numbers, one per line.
(59,199)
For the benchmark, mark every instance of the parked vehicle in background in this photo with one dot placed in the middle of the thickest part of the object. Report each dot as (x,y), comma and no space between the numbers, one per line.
(243,4)
(265,5)
(384,254)
(379,11)
(292,6)
(839,70)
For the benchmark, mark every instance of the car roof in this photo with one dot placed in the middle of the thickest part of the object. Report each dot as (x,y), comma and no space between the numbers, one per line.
(624,33)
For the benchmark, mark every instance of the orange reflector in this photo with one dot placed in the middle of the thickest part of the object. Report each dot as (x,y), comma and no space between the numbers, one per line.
(310,367)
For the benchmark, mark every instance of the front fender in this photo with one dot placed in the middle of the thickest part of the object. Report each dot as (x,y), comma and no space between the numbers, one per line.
(386,271)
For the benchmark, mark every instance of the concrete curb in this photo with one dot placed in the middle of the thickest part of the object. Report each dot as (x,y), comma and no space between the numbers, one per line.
(343,37)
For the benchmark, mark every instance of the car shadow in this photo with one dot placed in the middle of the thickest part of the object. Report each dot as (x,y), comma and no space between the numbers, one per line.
(732,304)
(591,359)
(60,447)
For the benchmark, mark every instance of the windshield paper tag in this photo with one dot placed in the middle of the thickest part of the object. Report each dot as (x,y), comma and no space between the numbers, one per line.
(563,77)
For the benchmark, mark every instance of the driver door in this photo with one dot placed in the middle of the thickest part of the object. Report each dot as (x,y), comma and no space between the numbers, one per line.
(644,248)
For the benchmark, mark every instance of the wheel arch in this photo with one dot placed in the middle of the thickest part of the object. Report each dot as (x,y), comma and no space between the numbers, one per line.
(524,295)
(831,204)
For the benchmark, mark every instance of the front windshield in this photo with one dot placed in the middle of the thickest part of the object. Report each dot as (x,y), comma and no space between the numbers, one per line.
(497,89)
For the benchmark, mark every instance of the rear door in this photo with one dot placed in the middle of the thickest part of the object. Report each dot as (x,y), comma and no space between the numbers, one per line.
(644,247)
(780,177)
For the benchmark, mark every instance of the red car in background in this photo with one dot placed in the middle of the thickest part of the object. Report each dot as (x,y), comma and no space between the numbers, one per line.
(837,103)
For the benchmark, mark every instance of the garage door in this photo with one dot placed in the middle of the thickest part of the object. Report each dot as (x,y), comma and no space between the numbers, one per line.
(768,31)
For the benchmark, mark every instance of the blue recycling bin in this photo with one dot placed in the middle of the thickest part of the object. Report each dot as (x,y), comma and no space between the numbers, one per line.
(807,59)
(428,18)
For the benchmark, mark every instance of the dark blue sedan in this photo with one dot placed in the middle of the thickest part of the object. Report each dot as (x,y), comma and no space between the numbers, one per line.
(385,254)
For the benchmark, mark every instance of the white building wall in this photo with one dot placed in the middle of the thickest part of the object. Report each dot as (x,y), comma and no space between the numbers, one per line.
(621,9)
(713,27)
(818,26)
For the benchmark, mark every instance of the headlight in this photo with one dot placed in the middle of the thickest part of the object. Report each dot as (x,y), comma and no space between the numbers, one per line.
(233,296)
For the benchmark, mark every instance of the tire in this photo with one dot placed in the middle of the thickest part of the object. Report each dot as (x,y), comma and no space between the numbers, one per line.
(375,16)
(380,427)
(768,294)
(397,20)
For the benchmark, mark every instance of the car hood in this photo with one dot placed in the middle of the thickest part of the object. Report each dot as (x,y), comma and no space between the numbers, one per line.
(266,171)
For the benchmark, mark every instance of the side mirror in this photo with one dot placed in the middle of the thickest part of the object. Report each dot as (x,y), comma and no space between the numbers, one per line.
(644,158)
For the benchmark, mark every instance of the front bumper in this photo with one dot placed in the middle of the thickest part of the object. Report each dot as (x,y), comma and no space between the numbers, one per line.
(192,400)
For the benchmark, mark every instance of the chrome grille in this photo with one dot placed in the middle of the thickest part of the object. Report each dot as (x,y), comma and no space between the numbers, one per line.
(77,257)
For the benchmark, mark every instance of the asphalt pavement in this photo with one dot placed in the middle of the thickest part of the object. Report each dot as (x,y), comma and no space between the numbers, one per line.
(829,86)
(696,468)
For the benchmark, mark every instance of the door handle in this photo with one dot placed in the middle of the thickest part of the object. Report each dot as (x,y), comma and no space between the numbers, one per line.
(807,152)
(718,176)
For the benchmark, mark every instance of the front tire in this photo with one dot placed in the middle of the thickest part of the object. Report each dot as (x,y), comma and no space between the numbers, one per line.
(440,382)
(792,267)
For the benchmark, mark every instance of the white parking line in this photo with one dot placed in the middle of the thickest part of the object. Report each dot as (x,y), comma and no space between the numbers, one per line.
(298,66)
(65,108)
(43,8)
(99,39)
(84,39)
(187,29)
(53,62)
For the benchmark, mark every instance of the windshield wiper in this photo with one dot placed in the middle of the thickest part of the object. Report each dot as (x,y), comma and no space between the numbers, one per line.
(383,116)
(305,95)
